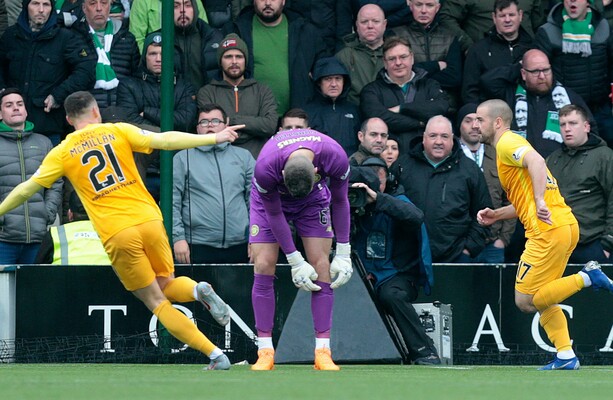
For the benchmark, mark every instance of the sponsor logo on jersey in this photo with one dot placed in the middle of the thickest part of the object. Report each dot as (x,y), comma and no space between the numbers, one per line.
(517,155)
(254,230)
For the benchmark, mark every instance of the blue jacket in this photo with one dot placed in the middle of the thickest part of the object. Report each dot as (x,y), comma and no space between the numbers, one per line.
(390,237)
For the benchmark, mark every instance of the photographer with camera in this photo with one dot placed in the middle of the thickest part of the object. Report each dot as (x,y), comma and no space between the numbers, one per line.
(391,241)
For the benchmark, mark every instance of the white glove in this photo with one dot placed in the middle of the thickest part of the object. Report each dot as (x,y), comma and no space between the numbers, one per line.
(303,273)
(341,265)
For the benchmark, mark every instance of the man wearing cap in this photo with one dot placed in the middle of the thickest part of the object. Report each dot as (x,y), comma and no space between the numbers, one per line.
(283,48)
(139,102)
(197,42)
(244,99)
(329,111)
(46,63)
(140,97)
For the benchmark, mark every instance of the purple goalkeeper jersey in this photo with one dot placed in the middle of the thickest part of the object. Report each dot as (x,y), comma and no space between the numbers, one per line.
(332,171)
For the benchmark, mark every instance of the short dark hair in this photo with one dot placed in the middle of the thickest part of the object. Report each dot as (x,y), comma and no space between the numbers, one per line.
(208,107)
(393,41)
(76,103)
(299,176)
(569,108)
(500,5)
(295,113)
(8,91)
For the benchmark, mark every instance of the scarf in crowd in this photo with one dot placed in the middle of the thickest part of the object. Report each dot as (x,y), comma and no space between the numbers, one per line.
(552,126)
(105,76)
(577,35)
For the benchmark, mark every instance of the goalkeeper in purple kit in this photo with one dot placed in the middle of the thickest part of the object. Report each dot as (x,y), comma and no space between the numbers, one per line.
(301,176)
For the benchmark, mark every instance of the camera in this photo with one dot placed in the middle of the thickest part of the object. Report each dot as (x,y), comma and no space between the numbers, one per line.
(357,197)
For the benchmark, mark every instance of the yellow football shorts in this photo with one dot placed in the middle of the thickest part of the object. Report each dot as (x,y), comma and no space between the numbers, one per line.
(140,253)
(545,257)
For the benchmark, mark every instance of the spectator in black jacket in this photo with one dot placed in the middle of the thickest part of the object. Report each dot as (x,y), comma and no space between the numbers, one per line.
(139,102)
(197,42)
(330,112)
(435,46)
(505,43)
(46,63)
(139,97)
(115,47)
(283,48)
(535,98)
(449,188)
(402,95)
(325,15)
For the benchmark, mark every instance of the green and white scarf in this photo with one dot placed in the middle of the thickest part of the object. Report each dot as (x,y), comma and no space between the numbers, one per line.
(105,76)
(552,126)
(577,35)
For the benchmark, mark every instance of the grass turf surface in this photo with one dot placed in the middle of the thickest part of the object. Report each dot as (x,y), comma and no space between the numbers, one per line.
(294,382)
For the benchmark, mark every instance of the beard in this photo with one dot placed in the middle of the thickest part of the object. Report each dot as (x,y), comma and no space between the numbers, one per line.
(269,18)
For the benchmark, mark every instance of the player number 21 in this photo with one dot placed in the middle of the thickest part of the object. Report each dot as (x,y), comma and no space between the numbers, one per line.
(103,158)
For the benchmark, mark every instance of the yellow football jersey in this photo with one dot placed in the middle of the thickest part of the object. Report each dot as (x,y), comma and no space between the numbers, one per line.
(99,163)
(515,179)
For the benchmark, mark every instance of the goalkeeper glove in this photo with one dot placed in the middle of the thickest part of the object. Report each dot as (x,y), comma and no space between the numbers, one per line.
(303,273)
(341,265)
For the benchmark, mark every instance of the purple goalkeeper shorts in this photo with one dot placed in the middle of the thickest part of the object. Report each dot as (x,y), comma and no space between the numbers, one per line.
(310,216)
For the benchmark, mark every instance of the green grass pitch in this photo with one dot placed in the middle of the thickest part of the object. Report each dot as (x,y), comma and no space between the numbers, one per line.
(295,382)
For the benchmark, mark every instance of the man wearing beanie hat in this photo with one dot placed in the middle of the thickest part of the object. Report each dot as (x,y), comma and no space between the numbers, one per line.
(245,100)
(197,42)
(46,63)
(485,157)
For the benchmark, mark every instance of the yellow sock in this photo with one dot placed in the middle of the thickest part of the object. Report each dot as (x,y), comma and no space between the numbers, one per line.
(183,328)
(557,291)
(554,323)
(180,290)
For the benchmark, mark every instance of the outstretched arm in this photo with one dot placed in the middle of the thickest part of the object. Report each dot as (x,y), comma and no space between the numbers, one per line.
(19,195)
(175,140)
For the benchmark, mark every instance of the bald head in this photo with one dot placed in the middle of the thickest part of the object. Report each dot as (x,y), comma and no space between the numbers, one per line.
(370,25)
(536,72)
(497,109)
(493,118)
(438,138)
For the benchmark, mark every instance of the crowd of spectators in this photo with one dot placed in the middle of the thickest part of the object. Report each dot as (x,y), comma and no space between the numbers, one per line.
(395,79)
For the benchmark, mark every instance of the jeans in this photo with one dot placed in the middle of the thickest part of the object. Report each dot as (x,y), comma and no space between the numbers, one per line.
(18,253)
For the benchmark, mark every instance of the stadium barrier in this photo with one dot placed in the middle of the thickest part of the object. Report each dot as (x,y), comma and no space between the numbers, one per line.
(83,314)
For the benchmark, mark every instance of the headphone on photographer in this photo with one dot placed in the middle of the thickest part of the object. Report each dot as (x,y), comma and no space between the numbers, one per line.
(391,182)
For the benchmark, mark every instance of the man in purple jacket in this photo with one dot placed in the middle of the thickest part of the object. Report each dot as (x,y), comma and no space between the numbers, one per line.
(300,175)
